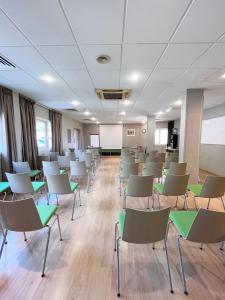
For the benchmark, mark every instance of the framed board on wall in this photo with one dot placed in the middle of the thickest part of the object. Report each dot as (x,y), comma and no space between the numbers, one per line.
(130,132)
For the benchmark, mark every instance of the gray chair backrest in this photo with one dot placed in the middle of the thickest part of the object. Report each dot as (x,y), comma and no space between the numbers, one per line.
(153,169)
(128,169)
(20,183)
(142,227)
(71,155)
(142,157)
(88,159)
(175,185)
(162,157)
(78,168)
(20,215)
(53,155)
(58,184)
(213,187)
(128,159)
(50,167)
(208,227)
(78,153)
(152,159)
(64,161)
(177,168)
(140,186)
(21,167)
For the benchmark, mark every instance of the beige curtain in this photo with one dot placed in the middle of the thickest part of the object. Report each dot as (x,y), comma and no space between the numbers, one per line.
(56,125)
(7,127)
(29,140)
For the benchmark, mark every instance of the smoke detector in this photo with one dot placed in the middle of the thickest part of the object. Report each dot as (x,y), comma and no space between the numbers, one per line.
(103,59)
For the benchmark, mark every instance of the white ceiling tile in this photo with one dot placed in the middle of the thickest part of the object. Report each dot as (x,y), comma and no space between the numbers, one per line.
(96,22)
(108,79)
(41,21)
(152,21)
(153,90)
(181,55)
(196,75)
(9,34)
(127,76)
(204,22)
(63,57)
(26,58)
(166,75)
(213,58)
(141,56)
(90,53)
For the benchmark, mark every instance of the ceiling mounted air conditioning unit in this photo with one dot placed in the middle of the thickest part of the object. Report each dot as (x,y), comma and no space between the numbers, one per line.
(5,64)
(113,94)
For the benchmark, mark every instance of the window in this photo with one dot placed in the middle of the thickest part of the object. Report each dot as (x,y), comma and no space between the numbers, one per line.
(161,136)
(44,134)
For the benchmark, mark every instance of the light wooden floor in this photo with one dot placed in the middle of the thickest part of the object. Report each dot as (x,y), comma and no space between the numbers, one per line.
(82,266)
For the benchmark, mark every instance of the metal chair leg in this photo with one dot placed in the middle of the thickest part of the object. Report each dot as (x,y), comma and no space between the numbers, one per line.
(168,266)
(153,201)
(3,241)
(222,245)
(25,237)
(176,202)
(116,224)
(79,196)
(182,266)
(159,200)
(74,201)
(57,200)
(4,196)
(208,203)
(222,203)
(148,204)
(46,251)
(59,227)
(195,200)
(118,267)
(88,183)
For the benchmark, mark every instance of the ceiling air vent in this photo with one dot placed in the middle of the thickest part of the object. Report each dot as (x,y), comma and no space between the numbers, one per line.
(71,109)
(113,94)
(86,120)
(5,64)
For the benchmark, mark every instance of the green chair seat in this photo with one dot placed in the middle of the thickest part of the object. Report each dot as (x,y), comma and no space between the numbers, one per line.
(37,185)
(159,187)
(4,186)
(183,220)
(46,212)
(121,220)
(195,188)
(62,171)
(73,186)
(35,173)
(126,189)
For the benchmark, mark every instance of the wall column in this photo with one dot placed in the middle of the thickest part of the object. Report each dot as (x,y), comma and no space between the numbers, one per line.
(150,133)
(190,131)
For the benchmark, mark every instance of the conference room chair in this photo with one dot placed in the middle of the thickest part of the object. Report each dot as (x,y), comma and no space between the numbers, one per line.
(64,162)
(60,185)
(153,169)
(126,170)
(176,168)
(4,186)
(203,226)
(71,155)
(128,159)
(213,187)
(170,158)
(21,184)
(78,153)
(174,186)
(142,157)
(138,187)
(151,158)
(25,216)
(52,168)
(89,163)
(78,170)
(141,227)
(53,155)
(24,167)
(42,158)
(153,153)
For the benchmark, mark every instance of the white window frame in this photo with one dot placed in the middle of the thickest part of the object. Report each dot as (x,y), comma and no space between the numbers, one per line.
(158,130)
(48,137)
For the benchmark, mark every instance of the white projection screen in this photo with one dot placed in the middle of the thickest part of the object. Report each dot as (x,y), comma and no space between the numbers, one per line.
(213,131)
(111,136)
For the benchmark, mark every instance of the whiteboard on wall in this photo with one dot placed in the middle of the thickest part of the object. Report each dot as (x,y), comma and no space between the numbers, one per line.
(213,131)
(111,136)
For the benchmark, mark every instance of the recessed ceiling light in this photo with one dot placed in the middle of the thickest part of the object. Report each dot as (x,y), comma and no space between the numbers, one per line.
(97,122)
(93,118)
(87,113)
(75,102)
(120,122)
(47,78)
(126,102)
(178,102)
(134,77)
(103,59)
(122,113)
(143,122)
(159,113)
(168,109)
(223,76)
